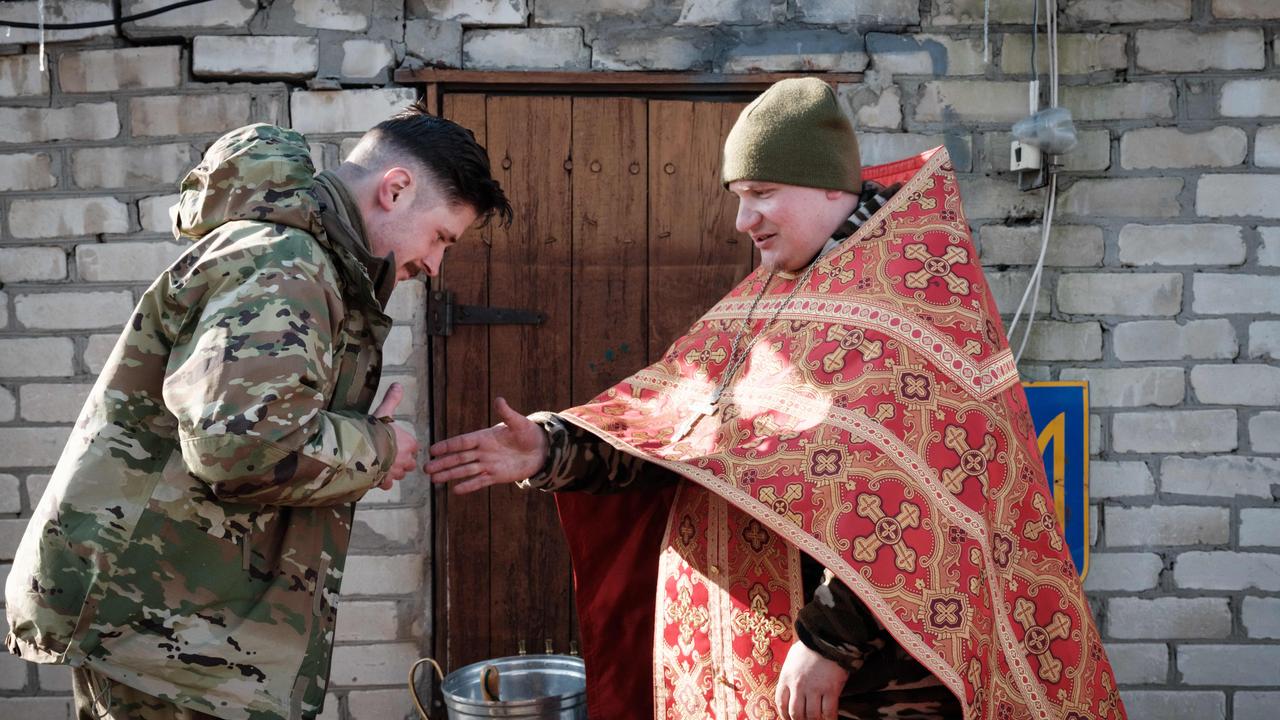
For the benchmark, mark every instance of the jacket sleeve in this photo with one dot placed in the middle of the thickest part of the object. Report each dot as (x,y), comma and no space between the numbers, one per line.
(249,380)
(836,625)
(579,461)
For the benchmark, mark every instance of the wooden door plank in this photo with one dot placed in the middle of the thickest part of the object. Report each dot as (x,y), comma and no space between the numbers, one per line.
(462,539)
(529,138)
(610,242)
(695,253)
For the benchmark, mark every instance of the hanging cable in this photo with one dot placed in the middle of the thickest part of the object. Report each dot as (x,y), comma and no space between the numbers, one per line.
(116,19)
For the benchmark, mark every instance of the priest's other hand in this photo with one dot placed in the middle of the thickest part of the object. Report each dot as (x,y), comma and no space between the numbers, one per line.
(510,451)
(809,685)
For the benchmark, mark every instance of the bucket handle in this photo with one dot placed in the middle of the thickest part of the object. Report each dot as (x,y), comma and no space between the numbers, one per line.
(413,686)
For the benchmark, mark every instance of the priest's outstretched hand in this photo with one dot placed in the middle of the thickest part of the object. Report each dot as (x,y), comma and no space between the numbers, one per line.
(510,451)
(809,685)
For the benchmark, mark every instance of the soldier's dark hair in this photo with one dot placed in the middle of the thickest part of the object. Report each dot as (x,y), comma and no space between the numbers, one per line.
(450,153)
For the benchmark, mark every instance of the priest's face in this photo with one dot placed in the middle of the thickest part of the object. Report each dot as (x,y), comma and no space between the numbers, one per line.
(789,224)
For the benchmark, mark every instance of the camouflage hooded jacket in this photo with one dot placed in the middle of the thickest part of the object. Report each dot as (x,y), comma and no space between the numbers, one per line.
(191,541)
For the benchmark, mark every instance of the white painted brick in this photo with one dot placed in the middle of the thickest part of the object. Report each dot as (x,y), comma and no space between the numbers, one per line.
(67,216)
(255,56)
(1185,50)
(880,148)
(1167,340)
(343,111)
(8,408)
(1223,476)
(1261,617)
(1052,340)
(970,12)
(68,310)
(472,12)
(379,575)
(999,198)
(379,705)
(1123,197)
(925,54)
(1069,245)
(971,100)
(1167,525)
(120,69)
(1250,98)
(52,403)
(1237,665)
(398,349)
(63,12)
(54,678)
(408,302)
(1166,617)
(1255,705)
(31,447)
(527,49)
(130,167)
(26,171)
(153,212)
(36,485)
(44,708)
(1172,148)
(725,12)
(1264,433)
(1131,387)
(436,43)
(1128,11)
(378,496)
(1264,339)
(1260,526)
(188,114)
(1228,571)
(795,51)
(1120,293)
(1196,431)
(1246,9)
(350,15)
(1199,245)
(1174,705)
(332,709)
(629,49)
(4,310)
(1236,384)
(1095,449)
(25,264)
(13,672)
(364,59)
(1007,289)
(1078,53)
(10,533)
(215,14)
(386,526)
(1127,101)
(1269,250)
(1133,572)
(367,621)
(35,357)
(1226,294)
(84,121)
(125,261)
(10,495)
(1120,479)
(21,75)
(96,351)
(381,664)
(1236,195)
(863,12)
(1139,663)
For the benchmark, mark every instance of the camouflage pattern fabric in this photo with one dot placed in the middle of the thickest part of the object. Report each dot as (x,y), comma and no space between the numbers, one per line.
(884,682)
(98,697)
(191,541)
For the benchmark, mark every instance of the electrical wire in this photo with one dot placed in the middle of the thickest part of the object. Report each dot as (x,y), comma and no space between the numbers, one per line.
(100,23)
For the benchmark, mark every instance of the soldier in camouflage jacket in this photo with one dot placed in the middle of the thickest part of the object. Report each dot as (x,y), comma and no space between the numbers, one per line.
(189,549)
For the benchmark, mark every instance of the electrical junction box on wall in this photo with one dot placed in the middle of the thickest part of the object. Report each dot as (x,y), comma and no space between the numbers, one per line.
(1024,156)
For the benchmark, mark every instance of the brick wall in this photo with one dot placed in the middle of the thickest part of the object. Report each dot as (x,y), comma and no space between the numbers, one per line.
(1162,286)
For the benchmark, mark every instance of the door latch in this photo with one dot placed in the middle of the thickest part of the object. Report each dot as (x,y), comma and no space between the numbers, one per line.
(443,314)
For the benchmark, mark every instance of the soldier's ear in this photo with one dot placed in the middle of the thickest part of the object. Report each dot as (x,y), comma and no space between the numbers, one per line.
(395,187)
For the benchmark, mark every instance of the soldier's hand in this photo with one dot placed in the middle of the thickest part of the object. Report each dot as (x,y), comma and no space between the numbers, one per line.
(406,442)
(809,685)
(510,451)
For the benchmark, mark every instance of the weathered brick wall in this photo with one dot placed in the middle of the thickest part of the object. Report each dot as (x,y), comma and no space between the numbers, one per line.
(1162,286)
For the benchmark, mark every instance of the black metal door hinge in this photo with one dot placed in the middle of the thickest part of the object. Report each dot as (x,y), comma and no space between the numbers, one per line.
(443,314)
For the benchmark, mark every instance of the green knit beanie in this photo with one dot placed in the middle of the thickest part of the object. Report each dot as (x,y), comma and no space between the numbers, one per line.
(794,134)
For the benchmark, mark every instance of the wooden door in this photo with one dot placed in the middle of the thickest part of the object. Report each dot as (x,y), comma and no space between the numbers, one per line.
(623,236)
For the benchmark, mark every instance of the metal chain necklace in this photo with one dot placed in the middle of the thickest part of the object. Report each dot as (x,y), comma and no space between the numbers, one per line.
(711,406)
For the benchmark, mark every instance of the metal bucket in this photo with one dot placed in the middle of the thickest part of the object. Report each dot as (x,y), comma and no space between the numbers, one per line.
(545,687)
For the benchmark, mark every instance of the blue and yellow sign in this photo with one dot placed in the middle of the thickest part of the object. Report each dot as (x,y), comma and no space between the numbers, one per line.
(1060,411)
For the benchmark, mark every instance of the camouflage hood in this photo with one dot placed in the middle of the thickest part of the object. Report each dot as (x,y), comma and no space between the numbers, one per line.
(259,172)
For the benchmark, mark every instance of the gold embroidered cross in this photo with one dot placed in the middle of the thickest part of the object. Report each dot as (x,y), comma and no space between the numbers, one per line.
(888,531)
(1046,524)
(782,505)
(973,461)
(938,266)
(850,339)
(763,628)
(1038,639)
(685,614)
(704,357)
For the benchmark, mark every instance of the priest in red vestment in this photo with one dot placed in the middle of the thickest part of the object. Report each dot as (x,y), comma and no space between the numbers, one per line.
(826,499)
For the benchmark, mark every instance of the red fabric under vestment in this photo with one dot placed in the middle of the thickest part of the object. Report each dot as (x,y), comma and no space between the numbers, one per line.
(878,425)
